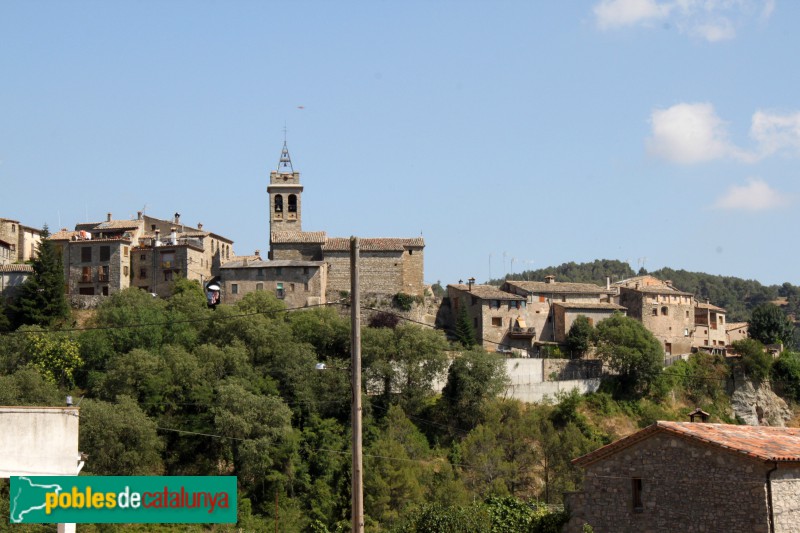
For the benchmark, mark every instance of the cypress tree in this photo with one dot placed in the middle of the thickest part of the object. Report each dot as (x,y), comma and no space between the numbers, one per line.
(464,333)
(41,299)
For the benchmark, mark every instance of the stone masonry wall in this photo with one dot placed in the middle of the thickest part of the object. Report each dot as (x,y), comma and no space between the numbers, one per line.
(413,272)
(686,486)
(786,498)
(297,252)
(380,272)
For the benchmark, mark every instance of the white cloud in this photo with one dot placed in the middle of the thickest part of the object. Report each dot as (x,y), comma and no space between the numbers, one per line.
(618,13)
(711,20)
(755,196)
(775,132)
(690,133)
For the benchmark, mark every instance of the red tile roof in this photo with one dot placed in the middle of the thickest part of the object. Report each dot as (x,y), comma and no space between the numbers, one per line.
(294,237)
(558,287)
(342,244)
(764,443)
(487,292)
(17,267)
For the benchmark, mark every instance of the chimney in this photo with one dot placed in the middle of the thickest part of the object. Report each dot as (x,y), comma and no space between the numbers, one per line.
(668,282)
(471,282)
(608,283)
(258,253)
(244,262)
(108,217)
(549,279)
(157,239)
(177,218)
(173,235)
(199,225)
(138,215)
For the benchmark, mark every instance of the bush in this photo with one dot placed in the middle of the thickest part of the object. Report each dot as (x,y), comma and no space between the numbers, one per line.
(755,362)
(785,375)
(403,301)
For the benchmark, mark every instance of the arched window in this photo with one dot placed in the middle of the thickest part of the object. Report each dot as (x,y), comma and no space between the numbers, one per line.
(292,203)
(278,203)
(664,311)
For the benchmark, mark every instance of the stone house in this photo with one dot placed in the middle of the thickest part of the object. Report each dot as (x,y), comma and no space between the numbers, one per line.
(691,477)
(146,252)
(11,277)
(499,318)
(552,324)
(709,332)
(736,331)
(297,283)
(388,265)
(668,313)
(18,243)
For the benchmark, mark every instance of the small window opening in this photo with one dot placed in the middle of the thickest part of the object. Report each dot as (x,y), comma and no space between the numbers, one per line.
(636,493)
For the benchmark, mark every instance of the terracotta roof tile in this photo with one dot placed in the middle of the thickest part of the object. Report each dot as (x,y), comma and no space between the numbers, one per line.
(730,326)
(342,244)
(298,237)
(487,292)
(598,305)
(762,443)
(63,235)
(558,287)
(119,224)
(19,267)
(709,306)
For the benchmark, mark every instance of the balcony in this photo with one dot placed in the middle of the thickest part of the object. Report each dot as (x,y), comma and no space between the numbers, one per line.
(166,264)
(518,332)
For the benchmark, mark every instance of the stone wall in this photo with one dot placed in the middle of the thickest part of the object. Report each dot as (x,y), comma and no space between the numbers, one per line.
(118,263)
(413,272)
(685,486)
(380,272)
(297,252)
(302,286)
(786,498)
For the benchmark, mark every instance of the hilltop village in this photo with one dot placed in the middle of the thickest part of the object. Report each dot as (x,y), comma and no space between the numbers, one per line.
(308,268)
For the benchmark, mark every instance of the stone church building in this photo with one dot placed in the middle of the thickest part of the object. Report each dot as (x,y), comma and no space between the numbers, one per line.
(388,265)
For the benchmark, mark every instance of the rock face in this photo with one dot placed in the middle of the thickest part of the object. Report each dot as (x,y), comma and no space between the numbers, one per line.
(757,405)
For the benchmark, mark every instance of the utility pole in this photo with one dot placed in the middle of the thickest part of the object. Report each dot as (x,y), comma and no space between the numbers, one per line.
(357,489)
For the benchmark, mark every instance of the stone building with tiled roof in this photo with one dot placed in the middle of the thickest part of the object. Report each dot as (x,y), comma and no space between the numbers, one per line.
(298,283)
(388,265)
(18,243)
(552,323)
(498,317)
(12,276)
(691,477)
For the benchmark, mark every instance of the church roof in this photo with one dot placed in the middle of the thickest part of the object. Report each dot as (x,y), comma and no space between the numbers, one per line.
(298,237)
(342,244)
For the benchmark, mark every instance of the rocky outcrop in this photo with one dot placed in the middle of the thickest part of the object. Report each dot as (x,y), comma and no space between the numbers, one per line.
(757,405)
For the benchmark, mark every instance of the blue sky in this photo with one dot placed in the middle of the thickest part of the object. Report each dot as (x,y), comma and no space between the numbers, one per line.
(511,135)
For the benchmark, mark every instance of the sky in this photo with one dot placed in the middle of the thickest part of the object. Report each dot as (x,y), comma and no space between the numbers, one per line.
(511,135)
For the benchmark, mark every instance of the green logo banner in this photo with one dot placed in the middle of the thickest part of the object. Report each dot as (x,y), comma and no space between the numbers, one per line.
(122,499)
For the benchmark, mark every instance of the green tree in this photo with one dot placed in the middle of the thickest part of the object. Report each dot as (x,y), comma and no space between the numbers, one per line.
(473,378)
(754,360)
(41,299)
(632,351)
(579,337)
(55,356)
(464,332)
(769,325)
(785,374)
(119,439)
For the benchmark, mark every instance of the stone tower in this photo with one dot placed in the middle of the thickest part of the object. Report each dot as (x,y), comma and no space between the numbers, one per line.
(284,196)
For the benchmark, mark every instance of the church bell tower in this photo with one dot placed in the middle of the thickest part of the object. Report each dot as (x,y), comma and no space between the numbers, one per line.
(284,192)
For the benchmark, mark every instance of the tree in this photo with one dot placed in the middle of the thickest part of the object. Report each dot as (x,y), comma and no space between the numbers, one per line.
(579,337)
(785,374)
(632,351)
(41,300)
(464,333)
(754,360)
(472,380)
(769,325)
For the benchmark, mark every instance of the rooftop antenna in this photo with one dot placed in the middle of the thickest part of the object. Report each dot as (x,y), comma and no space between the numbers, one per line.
(285,161)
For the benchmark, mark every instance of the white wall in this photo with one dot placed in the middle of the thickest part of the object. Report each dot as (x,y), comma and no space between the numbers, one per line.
(38,441)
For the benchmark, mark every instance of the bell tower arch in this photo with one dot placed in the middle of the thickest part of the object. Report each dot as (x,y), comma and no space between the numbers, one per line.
(285,192)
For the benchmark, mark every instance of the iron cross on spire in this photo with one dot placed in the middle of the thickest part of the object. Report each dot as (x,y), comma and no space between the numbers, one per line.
(285,161)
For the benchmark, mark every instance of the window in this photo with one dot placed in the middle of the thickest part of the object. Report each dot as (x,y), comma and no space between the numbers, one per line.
(86,275)
(292,203)
(86,291)
(305,271)
(541,298)
(168,275)
(13,228)
(105,253)
(234,288)
(259,286)
(278,271)
(260,273)
(411,252)
(142,273)
(497,321)
(279,291)
(636,495)
(102,273)
(125,271)
(664,311)
(125,251)
(105,290)
(86,254)
(655,311)
(168,260)
(143,257)
(687,314)
(291,287)
(278,203)
(306,287)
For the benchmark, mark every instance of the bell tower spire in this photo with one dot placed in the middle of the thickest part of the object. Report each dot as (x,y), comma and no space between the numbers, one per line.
(284,192)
